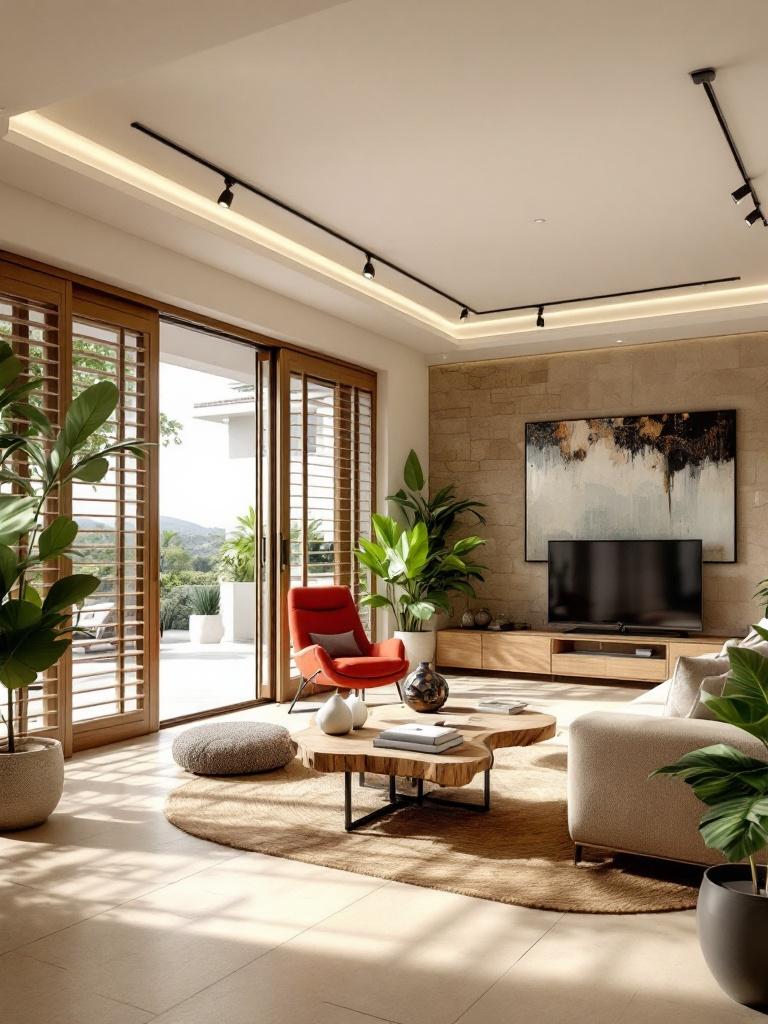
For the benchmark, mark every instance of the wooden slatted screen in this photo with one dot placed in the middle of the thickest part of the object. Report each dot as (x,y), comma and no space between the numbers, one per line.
(113,670)
(329,483)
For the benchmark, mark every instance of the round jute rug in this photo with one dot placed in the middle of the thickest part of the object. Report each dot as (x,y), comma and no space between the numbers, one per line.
(518,853)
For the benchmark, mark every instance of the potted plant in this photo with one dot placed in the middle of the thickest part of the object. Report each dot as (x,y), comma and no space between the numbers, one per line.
(417,580)
(732,911)
(36,624)
(238,589)
(205,625)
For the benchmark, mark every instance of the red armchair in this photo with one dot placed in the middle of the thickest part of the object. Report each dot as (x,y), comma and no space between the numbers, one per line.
(330,610)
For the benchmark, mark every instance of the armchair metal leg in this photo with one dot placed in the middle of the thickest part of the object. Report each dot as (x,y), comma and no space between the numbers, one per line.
(304,682)
(399,690)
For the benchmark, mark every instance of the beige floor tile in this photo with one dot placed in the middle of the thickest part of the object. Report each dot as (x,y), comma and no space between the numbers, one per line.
(591,969)
(28,914)
(157,951)
(35,993)
(402,953)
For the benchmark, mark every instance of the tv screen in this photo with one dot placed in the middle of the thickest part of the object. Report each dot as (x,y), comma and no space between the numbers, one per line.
(639,584)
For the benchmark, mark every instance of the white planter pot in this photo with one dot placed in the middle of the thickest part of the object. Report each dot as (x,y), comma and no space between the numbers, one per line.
(418,646)
(31,782)
(238,611)
(205,629)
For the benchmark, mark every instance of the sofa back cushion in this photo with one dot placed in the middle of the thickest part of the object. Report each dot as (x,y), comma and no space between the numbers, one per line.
(686,682)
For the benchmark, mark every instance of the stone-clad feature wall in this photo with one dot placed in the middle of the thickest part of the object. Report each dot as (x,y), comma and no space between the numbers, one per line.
(478,413)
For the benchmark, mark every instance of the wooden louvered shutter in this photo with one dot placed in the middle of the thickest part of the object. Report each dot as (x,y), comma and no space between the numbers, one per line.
(328,463)
(34,310)
(114,686)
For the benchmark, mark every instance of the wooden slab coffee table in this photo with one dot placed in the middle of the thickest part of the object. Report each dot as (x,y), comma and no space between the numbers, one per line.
(482,734)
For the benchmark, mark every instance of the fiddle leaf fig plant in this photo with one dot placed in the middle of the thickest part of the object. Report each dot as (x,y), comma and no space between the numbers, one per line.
(36,460)
(733,786)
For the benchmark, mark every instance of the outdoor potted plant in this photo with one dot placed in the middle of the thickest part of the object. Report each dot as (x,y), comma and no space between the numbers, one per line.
(238,589)
(36,623)
(205,625)
(732,913)
(417,579)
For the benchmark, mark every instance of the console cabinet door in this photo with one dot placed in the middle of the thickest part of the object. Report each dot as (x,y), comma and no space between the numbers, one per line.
(459,650)
(516,652)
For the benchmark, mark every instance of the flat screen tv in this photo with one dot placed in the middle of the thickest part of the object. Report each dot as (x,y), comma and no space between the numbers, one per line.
(626,585)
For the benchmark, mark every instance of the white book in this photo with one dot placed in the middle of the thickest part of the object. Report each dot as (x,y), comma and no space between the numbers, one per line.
(502,707)
(422,748)
(415,732)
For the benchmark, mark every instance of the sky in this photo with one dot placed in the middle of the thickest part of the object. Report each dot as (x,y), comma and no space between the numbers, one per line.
(199,482)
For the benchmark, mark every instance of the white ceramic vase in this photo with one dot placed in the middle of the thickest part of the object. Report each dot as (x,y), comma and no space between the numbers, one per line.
(335,716)
(205,629)
(418,647)
(359,710)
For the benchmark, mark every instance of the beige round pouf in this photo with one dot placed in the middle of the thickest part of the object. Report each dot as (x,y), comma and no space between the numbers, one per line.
(233,748)
(31,782)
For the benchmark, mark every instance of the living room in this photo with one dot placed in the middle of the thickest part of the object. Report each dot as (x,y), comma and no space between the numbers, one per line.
(383,633)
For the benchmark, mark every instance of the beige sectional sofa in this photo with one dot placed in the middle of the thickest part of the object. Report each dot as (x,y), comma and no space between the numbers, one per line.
(612,804)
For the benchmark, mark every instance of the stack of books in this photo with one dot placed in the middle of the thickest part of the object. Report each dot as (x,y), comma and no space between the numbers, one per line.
(501,707)
(428,739)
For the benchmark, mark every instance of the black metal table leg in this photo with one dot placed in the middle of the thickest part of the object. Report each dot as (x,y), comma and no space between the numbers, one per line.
(397,801)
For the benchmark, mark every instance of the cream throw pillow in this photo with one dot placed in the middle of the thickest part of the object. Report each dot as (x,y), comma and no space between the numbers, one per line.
(714,686)
(690,673)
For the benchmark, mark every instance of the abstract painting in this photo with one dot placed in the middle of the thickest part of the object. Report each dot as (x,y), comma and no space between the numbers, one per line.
(658,476)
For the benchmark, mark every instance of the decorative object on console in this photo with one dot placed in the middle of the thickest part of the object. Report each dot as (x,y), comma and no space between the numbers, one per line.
(482,619)
(359,710)
(335,716)
(468,619)
(733,903)
(425,690)
(661,475)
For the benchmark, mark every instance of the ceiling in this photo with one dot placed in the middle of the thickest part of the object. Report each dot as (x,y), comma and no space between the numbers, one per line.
(437,134)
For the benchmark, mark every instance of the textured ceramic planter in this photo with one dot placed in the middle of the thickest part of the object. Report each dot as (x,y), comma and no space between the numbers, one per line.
(418,647)
(31,782)
(205,629)
(733,934)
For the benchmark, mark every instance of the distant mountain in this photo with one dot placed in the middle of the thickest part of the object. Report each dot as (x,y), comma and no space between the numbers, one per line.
(186,528)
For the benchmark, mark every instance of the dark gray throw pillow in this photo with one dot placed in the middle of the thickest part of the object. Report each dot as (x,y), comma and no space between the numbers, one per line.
(337,645)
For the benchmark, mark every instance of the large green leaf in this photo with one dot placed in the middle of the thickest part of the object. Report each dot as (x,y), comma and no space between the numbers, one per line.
(31,414)
(387,531)
(417,552)
(467,544)
(374,601)
(719,772)
(9,569)
(412,472)
(17,616)
(10,368)
(57,538)
(737,828)
(89,411)
(25,654)
(92,471)
(16,516)
(70,590)
(421,610)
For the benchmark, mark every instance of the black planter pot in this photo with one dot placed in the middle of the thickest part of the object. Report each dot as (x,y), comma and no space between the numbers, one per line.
(733,934)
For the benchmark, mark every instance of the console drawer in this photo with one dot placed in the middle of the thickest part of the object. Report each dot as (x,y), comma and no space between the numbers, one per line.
(592,665)
(651,670)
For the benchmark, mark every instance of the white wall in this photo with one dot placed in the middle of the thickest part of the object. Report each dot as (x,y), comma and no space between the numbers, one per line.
(46,231)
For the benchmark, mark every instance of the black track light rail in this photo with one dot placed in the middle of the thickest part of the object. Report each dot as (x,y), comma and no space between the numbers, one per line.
(705,77)
(369,254)
(541,306)
(365,250)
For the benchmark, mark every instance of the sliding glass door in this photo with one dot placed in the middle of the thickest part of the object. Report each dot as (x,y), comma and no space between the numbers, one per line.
(214,495)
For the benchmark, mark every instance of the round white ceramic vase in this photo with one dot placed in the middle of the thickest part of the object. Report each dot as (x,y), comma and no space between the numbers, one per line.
(334,717)
(359,710)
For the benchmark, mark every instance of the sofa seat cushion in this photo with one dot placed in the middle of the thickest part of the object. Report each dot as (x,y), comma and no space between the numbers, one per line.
(656,695)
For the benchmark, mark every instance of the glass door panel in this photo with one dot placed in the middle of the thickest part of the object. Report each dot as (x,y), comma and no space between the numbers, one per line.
(212,393)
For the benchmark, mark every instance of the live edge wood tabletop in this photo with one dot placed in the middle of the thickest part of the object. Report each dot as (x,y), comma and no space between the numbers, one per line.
(355,752)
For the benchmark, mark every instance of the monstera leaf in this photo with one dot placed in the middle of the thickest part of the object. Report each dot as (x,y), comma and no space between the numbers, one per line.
(737,828)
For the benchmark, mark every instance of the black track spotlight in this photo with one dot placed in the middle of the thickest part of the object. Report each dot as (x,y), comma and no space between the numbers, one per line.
(752,218)
(464,314)
(369,270)
(226,197)
(540,317)
(741,193)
